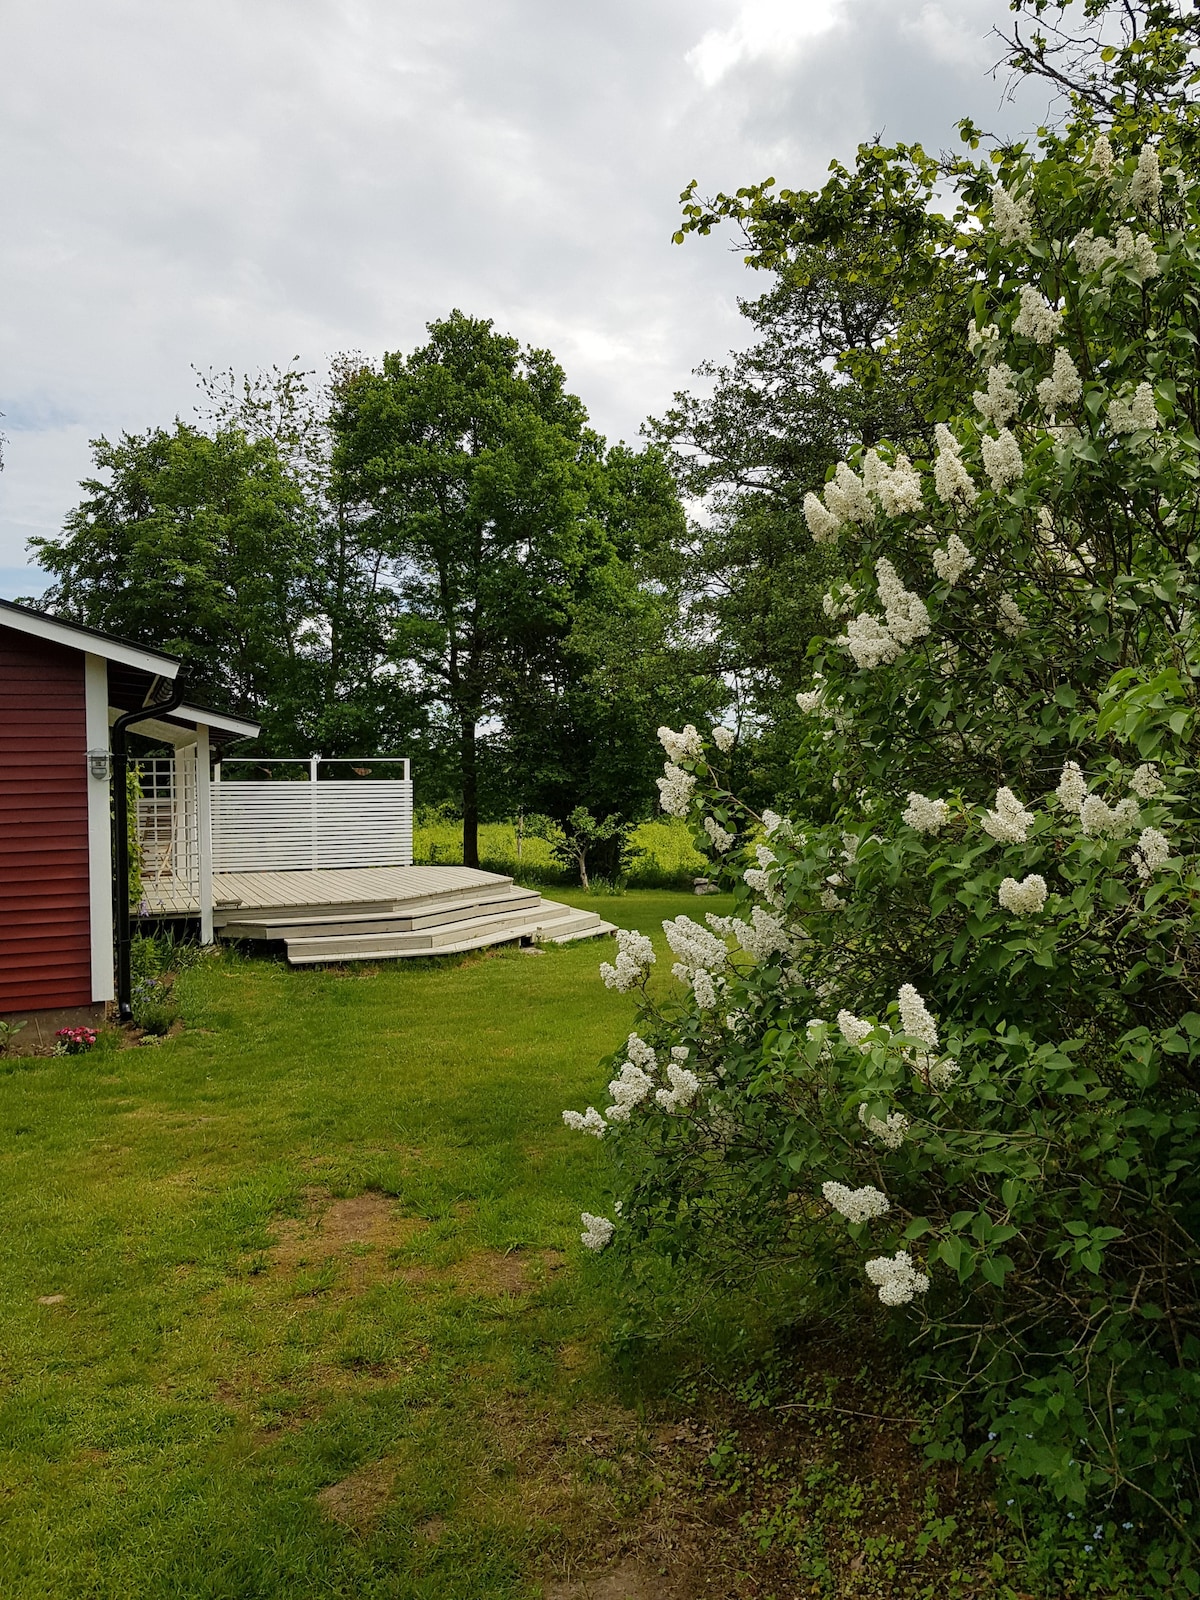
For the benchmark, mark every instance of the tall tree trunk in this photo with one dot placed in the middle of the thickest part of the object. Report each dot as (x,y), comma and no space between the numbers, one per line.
(470,793)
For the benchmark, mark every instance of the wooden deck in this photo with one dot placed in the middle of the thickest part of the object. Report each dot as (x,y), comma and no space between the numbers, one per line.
(385,913)
(345,888)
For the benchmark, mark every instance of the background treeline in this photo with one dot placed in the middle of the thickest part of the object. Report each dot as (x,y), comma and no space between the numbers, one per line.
(435,555)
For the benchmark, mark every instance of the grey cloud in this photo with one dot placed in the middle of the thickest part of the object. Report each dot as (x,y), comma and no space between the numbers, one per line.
(231,185)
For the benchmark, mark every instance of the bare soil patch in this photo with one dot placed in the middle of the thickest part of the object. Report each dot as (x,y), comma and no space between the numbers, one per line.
(629,1580)
(361,1230)
(359,1499)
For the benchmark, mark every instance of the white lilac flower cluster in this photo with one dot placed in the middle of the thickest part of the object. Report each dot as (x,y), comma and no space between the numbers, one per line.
(1137,253)
(873,643)
(1134,413)
(1002,459)
(773,823)
(954,562)
(1011,221)
(675,789)
(589,1122)
(1101,161)
(634,1084)
(1100,820)
(724,739)
(1072,787)
(857,1030)
(684,1085)
(905,614)
(915,1018)
(983,343)
(856,1205)
(890,1131)
(896,1278)
(722,839)
(1153,851)
(918,1023)
(694,947)
(1064,385)
(811,701)
(685,746)
(1145,186)
(925,815)
(1009,823)
(869,642)
(950,477)
(598,1231)
(634,954)
(1146,781)
(1037,319)
(761,938)
(1001,400)
(1010,619)
(839,601)
(895,489)
(1025,898)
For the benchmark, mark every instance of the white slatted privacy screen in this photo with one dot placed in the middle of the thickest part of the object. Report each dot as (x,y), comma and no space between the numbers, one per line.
(285,827)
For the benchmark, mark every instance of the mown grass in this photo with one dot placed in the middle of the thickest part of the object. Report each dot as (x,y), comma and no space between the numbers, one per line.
(187,1365)
(293,1305)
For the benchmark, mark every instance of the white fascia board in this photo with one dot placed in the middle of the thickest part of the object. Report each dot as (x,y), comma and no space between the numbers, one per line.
(218,720)
(128,655)
(100,866)
(172,733)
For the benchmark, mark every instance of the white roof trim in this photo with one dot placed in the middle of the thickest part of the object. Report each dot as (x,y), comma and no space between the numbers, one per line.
(158,728)
(216,719)
(92,644)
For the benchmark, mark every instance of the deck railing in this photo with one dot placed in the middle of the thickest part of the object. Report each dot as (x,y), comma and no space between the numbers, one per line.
(280,826)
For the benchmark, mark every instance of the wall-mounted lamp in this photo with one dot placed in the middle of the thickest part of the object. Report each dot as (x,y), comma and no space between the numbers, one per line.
(100,764)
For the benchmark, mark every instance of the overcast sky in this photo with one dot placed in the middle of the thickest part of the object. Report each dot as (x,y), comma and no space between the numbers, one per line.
(237,182)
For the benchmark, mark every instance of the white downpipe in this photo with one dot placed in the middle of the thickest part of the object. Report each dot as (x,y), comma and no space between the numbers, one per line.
(204,830)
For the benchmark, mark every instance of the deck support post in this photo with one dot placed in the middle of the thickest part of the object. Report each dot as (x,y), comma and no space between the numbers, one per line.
(204,831)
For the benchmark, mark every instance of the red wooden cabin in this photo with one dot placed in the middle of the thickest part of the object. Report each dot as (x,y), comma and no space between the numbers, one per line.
(61,686)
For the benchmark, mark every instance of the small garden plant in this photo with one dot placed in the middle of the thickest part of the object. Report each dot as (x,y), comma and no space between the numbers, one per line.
(74,1041)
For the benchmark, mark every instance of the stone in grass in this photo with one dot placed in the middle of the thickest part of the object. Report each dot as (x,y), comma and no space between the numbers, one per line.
(51,1299)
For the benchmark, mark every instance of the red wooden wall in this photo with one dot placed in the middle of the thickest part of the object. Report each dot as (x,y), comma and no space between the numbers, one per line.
(45,935)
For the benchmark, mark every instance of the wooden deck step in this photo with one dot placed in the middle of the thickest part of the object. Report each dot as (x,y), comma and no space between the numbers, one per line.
(551,924)
(391,914)
(296,924)
(547,920)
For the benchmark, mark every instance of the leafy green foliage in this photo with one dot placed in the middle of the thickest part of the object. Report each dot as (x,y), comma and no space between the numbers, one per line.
(1004,1111)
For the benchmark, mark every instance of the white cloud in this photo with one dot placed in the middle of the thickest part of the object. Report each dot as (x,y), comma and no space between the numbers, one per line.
(225,184)
(763,29)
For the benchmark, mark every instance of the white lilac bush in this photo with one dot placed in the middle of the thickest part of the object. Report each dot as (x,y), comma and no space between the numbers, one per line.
(947,1049)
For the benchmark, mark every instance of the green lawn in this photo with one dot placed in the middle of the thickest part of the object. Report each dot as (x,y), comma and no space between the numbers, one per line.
(294,1304)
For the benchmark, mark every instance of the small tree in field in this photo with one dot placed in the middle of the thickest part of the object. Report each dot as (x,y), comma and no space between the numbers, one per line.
(571,841)
(947,1048)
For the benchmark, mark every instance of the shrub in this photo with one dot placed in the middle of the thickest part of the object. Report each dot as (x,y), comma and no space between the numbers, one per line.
(154,1007)
(947,1050)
